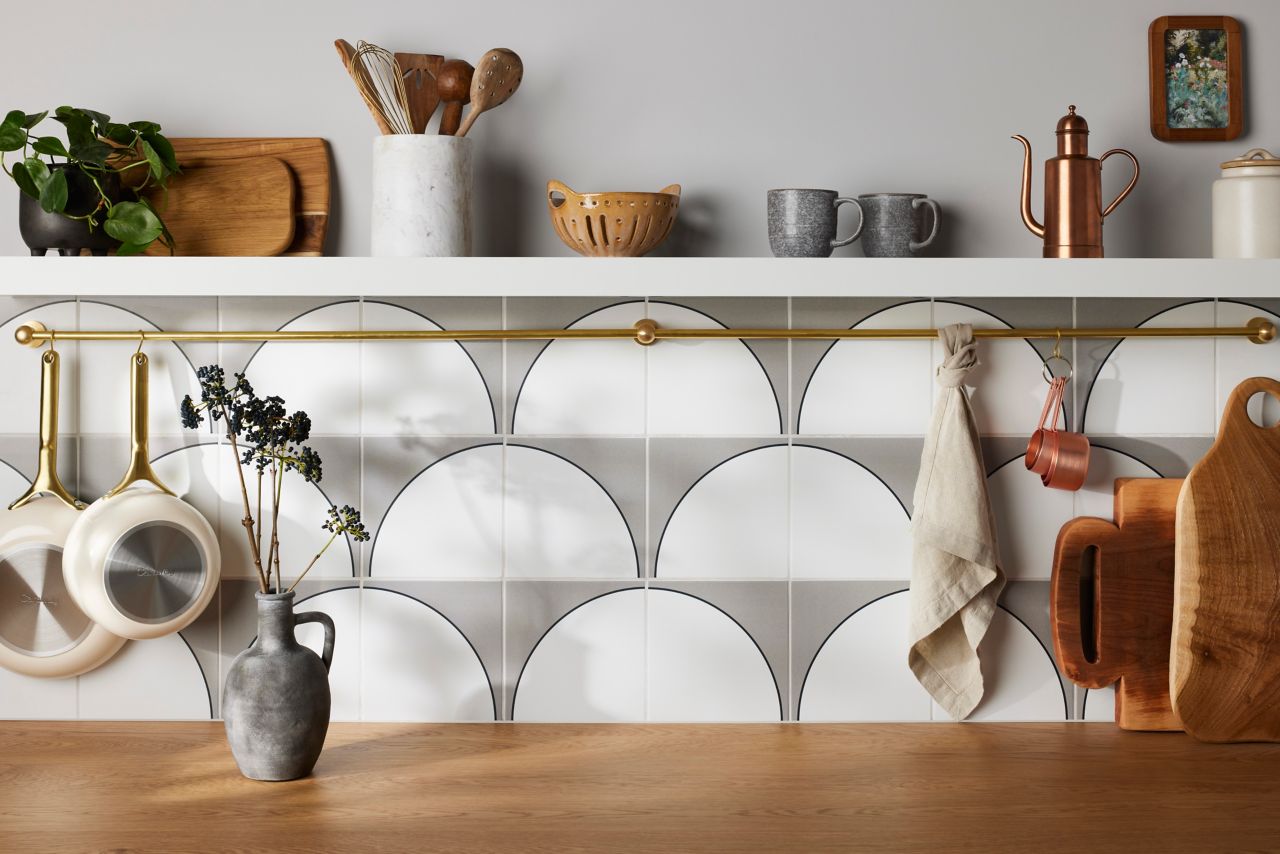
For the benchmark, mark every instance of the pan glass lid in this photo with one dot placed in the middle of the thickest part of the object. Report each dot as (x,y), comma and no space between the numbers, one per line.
(155,572)
(37,616)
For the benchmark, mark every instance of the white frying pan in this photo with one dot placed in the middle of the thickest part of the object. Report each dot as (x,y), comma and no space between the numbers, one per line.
(140,560)
(42,632)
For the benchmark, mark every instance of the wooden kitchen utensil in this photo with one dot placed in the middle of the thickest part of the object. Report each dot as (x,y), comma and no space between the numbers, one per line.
(306,157)
(421,72)
(1113,624)
(1225,664)
(495,80)
(347,52)
(381,84)
(234,207)
(454,86)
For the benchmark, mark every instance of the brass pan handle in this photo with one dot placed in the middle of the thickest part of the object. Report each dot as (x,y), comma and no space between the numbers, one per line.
(140,455)
(46,481)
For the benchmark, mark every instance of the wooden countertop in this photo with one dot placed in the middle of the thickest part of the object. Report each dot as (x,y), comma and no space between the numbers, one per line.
(554,788)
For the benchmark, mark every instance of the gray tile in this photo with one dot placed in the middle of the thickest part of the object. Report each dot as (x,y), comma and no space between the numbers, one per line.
(616,464)
(544,313)
(817,610)
(390,464)
(1170,456)
(676,465)
(753,313)
(825,313)
(104,459)
(474,608)
(532,608)
(762,609)
(20,452)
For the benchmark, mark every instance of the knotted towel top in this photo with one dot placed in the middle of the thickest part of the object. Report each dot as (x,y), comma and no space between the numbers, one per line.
(960,354)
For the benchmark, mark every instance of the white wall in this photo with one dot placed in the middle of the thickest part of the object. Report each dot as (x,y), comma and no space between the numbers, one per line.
(727,98)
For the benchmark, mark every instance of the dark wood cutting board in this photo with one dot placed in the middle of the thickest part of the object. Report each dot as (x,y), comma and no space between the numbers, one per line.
(1113,625)
(1226,626)
(228,207)
(306,157)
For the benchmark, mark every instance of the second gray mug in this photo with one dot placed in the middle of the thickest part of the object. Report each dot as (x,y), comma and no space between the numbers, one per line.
(895,224)
(802,223)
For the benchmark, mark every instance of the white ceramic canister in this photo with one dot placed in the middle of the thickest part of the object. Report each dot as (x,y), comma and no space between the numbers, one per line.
(1246,207)
(421,195)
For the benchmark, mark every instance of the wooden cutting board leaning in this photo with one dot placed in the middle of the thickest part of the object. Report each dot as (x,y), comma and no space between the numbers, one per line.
(307,159)
(232,207)
(1225,664)
(1113,625)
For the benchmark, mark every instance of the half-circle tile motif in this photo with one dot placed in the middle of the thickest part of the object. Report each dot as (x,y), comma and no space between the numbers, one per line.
(591,664)
(398,659)
(1238,360)
(157,679)
(21,369)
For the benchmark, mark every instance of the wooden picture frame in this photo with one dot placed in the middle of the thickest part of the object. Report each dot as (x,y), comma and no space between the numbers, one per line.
(1204,76)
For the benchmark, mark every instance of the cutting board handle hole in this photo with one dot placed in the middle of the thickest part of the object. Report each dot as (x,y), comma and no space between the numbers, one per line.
(1264,410)
(1089,603)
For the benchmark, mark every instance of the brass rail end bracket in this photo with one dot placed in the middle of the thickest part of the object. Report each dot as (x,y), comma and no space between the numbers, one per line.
(31,334)
(1263,330)
(647,332)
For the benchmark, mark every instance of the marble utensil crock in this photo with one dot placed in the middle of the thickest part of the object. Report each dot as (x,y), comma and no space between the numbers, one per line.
(276,700)
(421,195)
(895,224)
(802,223)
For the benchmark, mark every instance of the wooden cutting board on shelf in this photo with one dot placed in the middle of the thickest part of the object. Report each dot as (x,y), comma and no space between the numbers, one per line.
(1113,625)
(306,157)
(1226,627)
(232,207)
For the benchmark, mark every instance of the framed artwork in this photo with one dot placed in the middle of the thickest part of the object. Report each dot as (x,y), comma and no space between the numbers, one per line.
(1197,73)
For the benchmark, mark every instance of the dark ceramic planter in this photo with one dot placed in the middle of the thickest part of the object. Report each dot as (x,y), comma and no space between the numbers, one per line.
(42,231)
(276,700)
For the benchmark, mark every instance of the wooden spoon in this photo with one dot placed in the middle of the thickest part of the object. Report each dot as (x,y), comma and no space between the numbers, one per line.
(357,72)
(453,83)
(496,78)
(421,82)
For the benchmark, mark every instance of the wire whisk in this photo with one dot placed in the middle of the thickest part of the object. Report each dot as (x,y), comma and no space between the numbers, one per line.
(380,81)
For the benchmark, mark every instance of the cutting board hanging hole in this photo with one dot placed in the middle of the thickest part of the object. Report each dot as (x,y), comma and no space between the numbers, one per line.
(1264,410)
(1089,603)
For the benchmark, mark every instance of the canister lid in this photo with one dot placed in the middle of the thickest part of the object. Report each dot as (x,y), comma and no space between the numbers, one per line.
(1253,157)
(1072,123)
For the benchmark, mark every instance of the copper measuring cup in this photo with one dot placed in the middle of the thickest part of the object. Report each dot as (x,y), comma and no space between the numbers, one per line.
(1060,457)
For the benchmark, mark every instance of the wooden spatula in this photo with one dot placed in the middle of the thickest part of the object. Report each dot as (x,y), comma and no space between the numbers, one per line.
(495,80)
(421,71)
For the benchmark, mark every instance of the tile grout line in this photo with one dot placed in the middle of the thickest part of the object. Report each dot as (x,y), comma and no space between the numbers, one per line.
(647,569)
(787,713)
(75,387)
(360,569)
(506,711)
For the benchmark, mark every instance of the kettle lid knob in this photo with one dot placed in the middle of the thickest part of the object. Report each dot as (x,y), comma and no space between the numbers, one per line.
(1072,123)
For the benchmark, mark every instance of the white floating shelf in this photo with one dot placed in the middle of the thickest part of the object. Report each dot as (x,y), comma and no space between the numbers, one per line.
(1168,278)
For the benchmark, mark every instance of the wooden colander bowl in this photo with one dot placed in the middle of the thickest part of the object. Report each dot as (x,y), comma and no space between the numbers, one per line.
(617,225)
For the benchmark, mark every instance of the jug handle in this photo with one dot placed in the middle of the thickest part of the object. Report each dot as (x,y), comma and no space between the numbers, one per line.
(327,623)
(1132,181)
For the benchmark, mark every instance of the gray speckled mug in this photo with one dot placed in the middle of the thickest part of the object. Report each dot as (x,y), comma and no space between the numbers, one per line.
(802,223)
(895,224)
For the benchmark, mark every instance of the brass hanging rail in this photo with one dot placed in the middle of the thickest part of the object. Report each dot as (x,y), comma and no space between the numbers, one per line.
(34,334)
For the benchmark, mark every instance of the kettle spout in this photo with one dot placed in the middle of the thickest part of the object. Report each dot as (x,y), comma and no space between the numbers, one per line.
(1028,218)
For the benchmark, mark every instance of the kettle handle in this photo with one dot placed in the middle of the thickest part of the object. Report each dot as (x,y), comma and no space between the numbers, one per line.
(1128,187)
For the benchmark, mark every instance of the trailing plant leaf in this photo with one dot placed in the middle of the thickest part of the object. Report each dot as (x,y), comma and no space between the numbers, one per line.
(130,249)
(33,119)
(50,145)
(12,136)
(99,119)
(145,128)
(93,151)
(53,195)
(153,158)
(164,149)
(133,222)
(119,134)
(22,178)
(38,171)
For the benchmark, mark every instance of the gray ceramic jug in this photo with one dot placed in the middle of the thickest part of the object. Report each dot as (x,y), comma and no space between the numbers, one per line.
(276,700)
(895,224)
(802,223)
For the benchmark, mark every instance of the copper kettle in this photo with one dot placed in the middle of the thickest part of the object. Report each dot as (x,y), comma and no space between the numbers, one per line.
(1073,210)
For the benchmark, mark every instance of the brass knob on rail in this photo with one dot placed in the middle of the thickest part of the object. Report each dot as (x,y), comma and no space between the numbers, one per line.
(27,332)
(647,332)
(1263,330)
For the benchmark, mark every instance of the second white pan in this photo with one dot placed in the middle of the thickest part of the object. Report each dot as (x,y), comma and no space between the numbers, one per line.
(141,561)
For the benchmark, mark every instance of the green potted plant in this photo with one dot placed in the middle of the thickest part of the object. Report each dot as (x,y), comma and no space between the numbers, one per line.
(276,699)
(90,197)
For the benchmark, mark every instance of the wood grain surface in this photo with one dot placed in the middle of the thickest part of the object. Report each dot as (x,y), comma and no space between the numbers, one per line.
(306,157)
(1225,659)
(228,207)
(1129,616)
(160,787)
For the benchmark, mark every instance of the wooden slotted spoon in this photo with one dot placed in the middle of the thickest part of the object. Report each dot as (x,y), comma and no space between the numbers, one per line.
(496,78)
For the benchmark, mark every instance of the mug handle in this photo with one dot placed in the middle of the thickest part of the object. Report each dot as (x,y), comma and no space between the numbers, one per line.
(857,232)
(324,620)
(917,245)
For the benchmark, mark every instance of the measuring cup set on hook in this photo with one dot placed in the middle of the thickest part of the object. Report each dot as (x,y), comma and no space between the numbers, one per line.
(1060,457)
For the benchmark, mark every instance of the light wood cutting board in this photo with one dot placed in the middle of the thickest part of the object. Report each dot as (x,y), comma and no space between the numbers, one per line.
(234,207)
(1115,628)
(1225,664)
(306,157)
